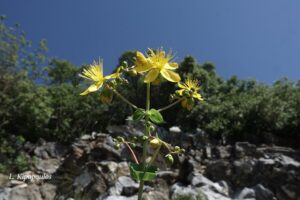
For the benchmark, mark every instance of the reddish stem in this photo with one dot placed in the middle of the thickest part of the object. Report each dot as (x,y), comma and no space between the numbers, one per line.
(132,153)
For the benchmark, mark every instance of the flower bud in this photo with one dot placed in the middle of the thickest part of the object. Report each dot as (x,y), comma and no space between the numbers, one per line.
(117,146)
(152,128)
(169,159)
(155,143)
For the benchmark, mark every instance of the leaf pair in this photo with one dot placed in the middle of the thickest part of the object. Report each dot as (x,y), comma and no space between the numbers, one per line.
(137,173)
(154,115)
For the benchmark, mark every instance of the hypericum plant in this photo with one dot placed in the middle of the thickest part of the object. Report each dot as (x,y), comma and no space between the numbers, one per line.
(153,66)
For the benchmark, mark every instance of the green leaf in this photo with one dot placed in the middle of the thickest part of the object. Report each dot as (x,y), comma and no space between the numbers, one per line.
(138,174)
(138,114)
(155,116)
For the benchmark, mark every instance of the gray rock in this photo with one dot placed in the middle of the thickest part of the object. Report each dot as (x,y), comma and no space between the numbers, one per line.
(288,161)
(178,191)
(48,191)
(246,193)
(4,179)
(223,151)
(49,166)
(126,186)
(243,149)
(175,129)
(289,191)
(115,197)
(155,195)
(209,194)
(87,137)
(4,193)
(125,130)
(262,193)
(27,193)
(199,180)
(264,162)
(50,149)
(83,180)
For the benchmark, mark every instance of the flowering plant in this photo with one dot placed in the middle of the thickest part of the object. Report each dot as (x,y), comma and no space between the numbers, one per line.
(153,66)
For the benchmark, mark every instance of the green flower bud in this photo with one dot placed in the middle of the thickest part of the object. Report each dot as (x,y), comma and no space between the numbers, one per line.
(144,138)
(169,159)
(117,146)
(152,128)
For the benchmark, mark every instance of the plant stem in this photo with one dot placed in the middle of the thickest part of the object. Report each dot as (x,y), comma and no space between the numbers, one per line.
(145,145)
(169,106)
(155,154)
(124,99)
(132,153)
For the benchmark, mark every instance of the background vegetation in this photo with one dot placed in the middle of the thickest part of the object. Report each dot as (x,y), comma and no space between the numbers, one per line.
(40,99)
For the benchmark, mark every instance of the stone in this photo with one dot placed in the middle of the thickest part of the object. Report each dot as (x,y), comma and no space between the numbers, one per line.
(223,151)
(155,195)
(246,193)
(50,149)
(175,129)
(287,161)
(243,149)
(115,197)
(126,186)
(48,191)
(4,193)
(178,191)
(49,166)
(31,192)
(83,180)
(289,191)
(262,193)
(125,130)
(209,194)
(4,179)
(199,180)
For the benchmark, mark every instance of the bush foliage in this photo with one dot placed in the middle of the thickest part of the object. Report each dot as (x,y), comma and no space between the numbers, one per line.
(40,98)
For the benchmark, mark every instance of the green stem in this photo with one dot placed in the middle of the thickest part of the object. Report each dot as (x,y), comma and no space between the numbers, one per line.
(169,106)
(145,145)
(155,154)
(124,99)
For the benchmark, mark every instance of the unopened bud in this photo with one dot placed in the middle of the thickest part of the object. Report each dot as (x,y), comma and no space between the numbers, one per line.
(169,159)
(155,143)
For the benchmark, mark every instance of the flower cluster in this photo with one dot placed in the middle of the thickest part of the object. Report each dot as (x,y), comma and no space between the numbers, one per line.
(153,67)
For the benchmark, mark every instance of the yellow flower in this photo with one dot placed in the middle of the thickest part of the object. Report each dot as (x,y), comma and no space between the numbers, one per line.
(95,74)
(190,88)
(156,63)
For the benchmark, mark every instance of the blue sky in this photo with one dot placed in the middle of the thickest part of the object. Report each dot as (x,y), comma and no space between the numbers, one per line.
(251,39)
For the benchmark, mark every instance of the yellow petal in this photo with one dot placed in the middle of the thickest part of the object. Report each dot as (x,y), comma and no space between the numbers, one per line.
(197,96)
(170,75)
(142,68)
(140,58)
(180,92)
(151,76)
(181,85)
(114,75)
(92,88)
(171,66)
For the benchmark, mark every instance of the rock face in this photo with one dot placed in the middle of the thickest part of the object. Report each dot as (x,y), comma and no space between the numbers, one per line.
(92,169)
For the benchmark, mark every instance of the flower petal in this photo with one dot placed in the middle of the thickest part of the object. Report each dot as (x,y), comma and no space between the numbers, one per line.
(93,88)
(151,76)
(172,66)
(140,58)
(180,92)
(170,75)
(142,68)
(182,86)
(197,96)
